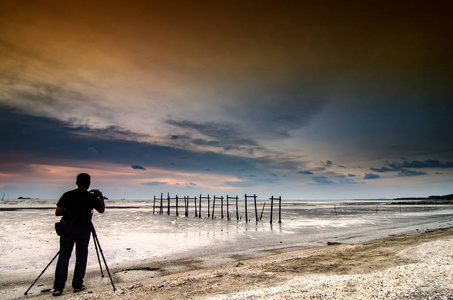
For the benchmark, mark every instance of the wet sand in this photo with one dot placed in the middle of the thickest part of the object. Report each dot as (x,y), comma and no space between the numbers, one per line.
(411,267)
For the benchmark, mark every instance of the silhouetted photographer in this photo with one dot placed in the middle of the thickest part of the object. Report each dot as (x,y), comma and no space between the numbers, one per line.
(76,207)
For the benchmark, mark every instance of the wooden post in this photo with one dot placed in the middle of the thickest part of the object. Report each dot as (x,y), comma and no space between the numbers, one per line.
(209,208)
(186,206)
(280,209)
(168,203)
(245,203)
(161,209)
(228,206)
(213,205)
(197,213)
(262,211)
(221,207)
(228,209)
(199,209)
(237,208)
(177,212)
(154,205)
(272,208)
(256,208)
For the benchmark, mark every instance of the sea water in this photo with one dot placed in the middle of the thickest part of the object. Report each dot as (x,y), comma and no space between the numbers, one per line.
(131,232)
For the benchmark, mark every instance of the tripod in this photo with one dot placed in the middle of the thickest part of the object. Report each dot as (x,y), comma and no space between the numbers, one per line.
(98,248)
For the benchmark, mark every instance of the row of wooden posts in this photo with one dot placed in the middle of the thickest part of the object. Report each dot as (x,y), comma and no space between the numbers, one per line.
(159,205)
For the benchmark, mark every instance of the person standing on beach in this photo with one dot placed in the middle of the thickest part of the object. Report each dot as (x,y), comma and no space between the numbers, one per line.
(76,205)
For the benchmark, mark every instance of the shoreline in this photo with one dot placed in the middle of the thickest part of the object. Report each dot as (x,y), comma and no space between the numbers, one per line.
(378,269)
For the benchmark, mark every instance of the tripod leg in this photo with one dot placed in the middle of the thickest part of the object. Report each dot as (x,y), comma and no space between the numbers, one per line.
(42,272)
(105,263)
(97,252)
(98,246)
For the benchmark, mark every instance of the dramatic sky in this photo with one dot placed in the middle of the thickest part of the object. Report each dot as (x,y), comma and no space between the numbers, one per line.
(299,99)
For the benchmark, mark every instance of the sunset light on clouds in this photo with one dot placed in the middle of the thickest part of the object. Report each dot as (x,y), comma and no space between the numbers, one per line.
(303,99)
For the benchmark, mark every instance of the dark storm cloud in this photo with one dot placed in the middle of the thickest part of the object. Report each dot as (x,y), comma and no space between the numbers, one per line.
(305,172)
(346,179)
(429,163)
(334,178)
(112,132)
(402,167)
(138,167)
(274,112)
(371,176)
(327,163)
(50,140)
(222,136)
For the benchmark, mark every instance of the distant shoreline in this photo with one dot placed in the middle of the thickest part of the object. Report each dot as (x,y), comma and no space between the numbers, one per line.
(445,199)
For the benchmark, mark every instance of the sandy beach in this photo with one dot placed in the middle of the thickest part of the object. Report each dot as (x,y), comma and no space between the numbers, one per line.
(410,266)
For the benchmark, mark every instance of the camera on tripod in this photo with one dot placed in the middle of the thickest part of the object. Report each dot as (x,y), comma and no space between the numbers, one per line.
(96,192)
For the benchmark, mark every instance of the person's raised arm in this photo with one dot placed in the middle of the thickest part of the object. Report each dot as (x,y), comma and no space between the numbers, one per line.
(98,194)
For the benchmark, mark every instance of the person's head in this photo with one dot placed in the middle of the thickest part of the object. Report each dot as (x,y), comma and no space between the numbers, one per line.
(83,180)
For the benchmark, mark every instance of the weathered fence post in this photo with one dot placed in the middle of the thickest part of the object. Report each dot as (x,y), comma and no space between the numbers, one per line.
(154,205)
(209,207)
(177,204)
(213,205)
(161,209)
(262,211)
(228,208)
(199,210)
(237,208)
(256,208)
(168,203)
(272,208)
(221,207)
(280,209)
(246,216)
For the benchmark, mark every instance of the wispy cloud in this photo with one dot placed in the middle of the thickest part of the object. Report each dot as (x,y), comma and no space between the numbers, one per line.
(305,172)
(217,135)
(138,167)
(322,180)
(405,173)
(403,167)
(371,176)
(154,183)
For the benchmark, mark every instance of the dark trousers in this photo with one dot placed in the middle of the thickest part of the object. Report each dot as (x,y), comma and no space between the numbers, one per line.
(81,241)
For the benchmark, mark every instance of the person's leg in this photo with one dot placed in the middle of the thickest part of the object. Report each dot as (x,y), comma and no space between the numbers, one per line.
(61,271)
(81,261)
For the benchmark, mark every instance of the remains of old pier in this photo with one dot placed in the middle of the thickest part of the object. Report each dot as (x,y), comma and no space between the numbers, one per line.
(174,205)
